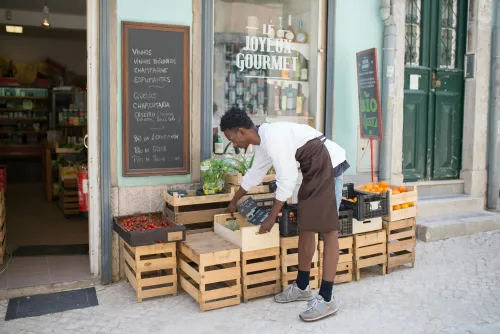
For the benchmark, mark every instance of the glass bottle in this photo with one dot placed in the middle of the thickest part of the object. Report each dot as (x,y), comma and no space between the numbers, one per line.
(290,34)
(301,36)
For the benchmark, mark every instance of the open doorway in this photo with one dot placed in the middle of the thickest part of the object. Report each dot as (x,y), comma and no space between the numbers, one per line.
(43,125)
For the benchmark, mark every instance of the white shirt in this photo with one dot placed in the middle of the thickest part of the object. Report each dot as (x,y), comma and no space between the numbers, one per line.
(279,143)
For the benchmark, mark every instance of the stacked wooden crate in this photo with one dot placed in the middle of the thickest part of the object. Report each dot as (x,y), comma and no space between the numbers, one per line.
(151,270)
(370,249)
(261,193)
(68,191)
(260,254)
(196,213)
(400,227)
(345,263)
(290,262)
(210,270)
(3,227)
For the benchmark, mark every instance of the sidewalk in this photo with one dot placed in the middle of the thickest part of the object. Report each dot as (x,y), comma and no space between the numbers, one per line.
(454,288)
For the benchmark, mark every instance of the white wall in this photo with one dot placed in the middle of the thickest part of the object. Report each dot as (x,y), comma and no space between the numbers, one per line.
(22,49)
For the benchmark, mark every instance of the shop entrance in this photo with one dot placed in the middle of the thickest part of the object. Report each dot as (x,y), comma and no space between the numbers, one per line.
(43,156)
(434,89)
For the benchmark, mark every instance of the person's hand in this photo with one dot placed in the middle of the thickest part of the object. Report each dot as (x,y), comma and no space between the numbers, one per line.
(231,208)
(267,225)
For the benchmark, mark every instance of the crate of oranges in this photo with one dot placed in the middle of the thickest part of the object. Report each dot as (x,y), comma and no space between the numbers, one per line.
(403,203)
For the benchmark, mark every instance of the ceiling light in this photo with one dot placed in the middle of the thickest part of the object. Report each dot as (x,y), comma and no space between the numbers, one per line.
(45,22)
(14,29)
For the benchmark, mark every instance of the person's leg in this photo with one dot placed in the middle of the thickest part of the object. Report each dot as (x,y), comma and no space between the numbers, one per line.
(325,304)
(330,261)
(339,185)
(300,289)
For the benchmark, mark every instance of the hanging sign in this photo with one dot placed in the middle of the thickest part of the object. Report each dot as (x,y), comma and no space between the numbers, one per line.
(370,111)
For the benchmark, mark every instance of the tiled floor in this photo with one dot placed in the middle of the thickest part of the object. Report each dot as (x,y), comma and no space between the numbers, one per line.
(32,221)
(25,271)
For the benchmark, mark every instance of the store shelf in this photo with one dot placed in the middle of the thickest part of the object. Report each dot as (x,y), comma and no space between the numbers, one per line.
(23,98)
(72,126)
(6,120)
(21,150)
(22,110)
(27,132)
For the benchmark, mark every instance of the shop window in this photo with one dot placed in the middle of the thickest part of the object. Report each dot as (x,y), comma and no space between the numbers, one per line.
(266,61)
(412,38)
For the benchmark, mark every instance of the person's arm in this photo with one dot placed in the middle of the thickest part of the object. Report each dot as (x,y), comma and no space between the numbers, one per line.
(283,158)
(253,177)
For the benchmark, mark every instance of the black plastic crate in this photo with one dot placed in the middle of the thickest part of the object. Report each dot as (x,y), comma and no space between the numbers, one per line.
(345,221)
(348,189)
(367,205)
(144,238)
(288,222)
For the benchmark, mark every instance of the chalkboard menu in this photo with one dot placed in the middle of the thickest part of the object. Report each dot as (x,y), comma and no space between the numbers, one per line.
(155,107)
(370,111)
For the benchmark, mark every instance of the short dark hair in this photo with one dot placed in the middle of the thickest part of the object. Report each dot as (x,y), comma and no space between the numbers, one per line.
(235,118)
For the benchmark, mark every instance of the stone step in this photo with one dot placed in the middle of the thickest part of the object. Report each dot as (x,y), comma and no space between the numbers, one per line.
(438,228)
(447,205)
(439,188)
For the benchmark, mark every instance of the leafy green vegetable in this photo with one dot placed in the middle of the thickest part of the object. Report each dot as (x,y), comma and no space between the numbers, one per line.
(242,164)
(214,172)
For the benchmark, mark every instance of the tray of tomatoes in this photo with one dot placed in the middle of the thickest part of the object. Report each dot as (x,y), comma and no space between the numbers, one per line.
(148,229)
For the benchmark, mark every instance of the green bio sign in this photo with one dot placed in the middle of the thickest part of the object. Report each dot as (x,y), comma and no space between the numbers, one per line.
(370,113)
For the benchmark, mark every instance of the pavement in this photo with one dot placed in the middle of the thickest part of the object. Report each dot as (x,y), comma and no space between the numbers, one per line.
(454,288)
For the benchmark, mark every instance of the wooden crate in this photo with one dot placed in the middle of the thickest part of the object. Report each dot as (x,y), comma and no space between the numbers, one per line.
(410,196)
(401,242)
(368,225)
(370,249)
(260,189)
(151,270)
(196,213)
(345,264)
(290,262)
(247,238)
(235,179)
(68,201)
(68,181)
(260,273)
(210,271)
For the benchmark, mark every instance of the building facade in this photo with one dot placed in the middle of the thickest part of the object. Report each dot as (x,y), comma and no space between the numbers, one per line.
(434,71)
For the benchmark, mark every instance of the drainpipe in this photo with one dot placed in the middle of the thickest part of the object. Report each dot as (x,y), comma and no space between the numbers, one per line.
(494,122)
(388,94)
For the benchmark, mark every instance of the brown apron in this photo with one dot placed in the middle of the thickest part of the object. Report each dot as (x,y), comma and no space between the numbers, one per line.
(317,208)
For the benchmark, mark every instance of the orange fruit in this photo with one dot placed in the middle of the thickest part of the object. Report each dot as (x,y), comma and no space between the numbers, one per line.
(411,204)
(405,206)
(355,200)
(396,207)
(383,190)
(383,184)
(402,189)
(395,192)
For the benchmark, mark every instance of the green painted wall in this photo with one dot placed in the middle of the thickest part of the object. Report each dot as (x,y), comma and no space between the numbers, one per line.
(151,11)
(358,27)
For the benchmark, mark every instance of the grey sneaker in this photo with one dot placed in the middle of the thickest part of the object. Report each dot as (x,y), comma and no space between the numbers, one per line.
(293,294)
(319,309)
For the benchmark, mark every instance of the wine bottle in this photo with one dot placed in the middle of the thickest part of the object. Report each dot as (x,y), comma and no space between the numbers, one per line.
(303,70)
(290,34)
(218,147)
(276,97)
(298,108)
(290,99)
(301,36)
(271,32)
(280,34)
(283,97)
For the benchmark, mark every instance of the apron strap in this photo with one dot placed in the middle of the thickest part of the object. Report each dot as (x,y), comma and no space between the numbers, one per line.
(322,138)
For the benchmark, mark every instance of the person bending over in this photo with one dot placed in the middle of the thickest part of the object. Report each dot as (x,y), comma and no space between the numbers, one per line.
(282,145)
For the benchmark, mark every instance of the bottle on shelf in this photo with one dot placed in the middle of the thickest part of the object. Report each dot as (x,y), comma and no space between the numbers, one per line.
(218,147)
(283,97)
(290,99)
(304,75)
(277,95)
(271,32)
(300,99)
(280,34)
(301,36)
(290,34)
(298,68)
